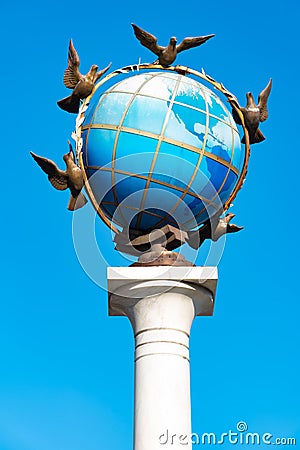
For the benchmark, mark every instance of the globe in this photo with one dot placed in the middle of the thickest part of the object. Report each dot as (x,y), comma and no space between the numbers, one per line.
(160,148)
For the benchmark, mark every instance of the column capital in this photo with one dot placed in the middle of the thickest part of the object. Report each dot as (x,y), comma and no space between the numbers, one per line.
(127,285)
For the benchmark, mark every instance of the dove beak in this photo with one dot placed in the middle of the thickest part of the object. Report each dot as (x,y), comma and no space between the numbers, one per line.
(71,151)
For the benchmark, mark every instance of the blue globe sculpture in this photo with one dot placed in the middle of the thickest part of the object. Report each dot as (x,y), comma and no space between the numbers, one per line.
(160,148)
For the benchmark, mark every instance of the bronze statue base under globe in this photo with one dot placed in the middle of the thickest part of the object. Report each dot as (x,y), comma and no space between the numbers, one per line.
(134,243)
(154,248)
(165,258)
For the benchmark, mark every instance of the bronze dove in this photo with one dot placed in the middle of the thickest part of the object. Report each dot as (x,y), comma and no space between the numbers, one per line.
(167,55)
(212,229)
(82,85)
(254,114)
(70,178)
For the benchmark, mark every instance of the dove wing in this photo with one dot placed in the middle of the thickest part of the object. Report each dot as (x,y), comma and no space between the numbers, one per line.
(72,74)
(100,73)
(147,39)
(190,42)
(236,117)
(57,177)
(262,101)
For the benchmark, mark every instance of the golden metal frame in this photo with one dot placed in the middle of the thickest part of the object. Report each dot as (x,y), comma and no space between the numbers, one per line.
(181,70)
(152,180)
(168,140)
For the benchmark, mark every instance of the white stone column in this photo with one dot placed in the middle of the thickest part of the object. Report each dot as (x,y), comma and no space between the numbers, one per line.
(161,303)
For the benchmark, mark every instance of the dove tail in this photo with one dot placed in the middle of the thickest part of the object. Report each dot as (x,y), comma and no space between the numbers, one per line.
(70,104)
(77,202)
(256,138)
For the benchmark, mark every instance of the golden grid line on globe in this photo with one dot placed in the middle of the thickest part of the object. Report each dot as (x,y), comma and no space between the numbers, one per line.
(119,128)
(199,158)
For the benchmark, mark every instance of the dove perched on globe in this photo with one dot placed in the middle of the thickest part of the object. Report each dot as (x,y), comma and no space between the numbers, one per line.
(212,229)
(167,55)
(82,85)
(254,114)
(71,178)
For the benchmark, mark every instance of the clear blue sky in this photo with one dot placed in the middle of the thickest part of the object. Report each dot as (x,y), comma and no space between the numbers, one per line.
(66,369)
